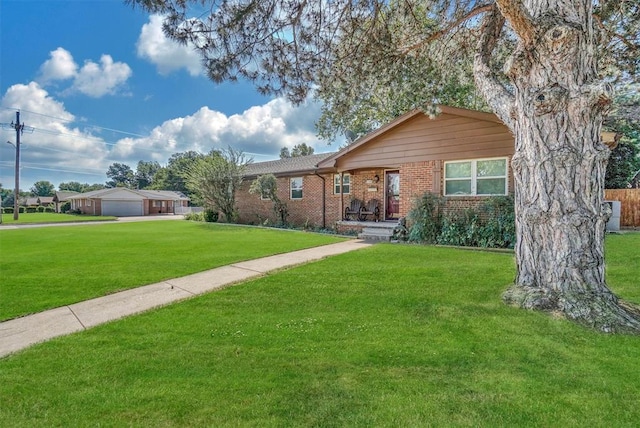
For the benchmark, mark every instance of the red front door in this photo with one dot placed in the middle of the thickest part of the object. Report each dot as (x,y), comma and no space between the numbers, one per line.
(392,194)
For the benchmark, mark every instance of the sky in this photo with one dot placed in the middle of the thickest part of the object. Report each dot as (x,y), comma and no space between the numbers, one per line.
(96,82)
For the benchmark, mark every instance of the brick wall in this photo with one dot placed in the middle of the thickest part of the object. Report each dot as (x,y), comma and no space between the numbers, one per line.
(89,206)
(305,211)
(416,179)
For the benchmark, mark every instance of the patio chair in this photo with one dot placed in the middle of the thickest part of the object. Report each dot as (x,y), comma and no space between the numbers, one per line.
(372,208)
(352,212)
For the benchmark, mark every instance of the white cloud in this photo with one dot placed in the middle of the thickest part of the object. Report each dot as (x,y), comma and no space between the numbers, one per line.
(165,54)
(97,80)
(94,80)
(259,131)
(60,66)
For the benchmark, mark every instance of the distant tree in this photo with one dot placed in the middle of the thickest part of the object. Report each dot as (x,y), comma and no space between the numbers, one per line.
(42,188)
(145,171)
(267,187)
(71,186)
(623,164)
(301,150)
(121,175)
(298,150)
(171,177)
(216,178)
(285,153)
(76,186)
(5,194)
(91,187)
(624,160)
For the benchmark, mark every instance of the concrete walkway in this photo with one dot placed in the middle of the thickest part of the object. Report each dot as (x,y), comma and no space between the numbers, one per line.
(23,332)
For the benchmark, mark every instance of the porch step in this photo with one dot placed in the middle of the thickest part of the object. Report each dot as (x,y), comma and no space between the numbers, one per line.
(377,233)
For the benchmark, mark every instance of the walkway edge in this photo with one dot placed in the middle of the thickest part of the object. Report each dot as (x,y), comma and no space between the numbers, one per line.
(20,333)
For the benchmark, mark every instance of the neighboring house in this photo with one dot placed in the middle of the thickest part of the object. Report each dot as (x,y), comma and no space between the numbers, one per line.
(461,154)
(36,201)
(121,202)
(61,197)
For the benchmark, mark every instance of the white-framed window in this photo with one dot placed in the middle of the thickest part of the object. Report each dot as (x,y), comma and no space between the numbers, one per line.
(88,202)
(296,187)
(482,177)
(345,186)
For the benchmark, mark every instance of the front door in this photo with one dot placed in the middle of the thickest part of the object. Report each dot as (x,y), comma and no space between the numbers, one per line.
(392,195)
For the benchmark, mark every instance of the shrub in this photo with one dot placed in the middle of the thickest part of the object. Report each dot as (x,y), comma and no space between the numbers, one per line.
(8,210)
(32,209)
(500,225)
(194,216)
(40,208)
(460,229)
(425,218)
(65,207)
(210,216)
(492,225)
(49,209)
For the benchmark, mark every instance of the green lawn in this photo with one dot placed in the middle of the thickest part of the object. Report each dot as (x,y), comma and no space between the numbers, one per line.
(401,336)
(44,268)
(29,218)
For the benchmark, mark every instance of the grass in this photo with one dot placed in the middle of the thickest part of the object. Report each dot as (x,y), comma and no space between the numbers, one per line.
(45,268)
(31,218)
(386,336)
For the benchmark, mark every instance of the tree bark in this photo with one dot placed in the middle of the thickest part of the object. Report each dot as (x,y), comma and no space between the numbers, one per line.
(559,164)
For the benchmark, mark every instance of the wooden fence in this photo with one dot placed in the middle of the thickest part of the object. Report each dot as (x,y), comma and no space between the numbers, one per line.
(629,205)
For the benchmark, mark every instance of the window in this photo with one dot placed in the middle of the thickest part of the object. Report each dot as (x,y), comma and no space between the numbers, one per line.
(296,188)
(476,177)
(346,184)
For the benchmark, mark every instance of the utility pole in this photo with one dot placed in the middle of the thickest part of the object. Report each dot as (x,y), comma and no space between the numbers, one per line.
(19,127)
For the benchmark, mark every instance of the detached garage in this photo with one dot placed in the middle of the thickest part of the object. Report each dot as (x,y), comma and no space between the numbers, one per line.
(122,202)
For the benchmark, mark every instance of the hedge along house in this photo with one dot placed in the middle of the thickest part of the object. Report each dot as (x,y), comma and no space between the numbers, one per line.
(122,202)
(461,154)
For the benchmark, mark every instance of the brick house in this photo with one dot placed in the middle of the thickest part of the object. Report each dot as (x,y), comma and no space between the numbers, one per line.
(120,202)
(462,154)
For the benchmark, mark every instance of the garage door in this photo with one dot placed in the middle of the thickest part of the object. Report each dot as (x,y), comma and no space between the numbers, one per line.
(122,208)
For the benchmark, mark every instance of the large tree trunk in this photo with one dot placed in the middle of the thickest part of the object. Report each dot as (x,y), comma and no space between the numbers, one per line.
(559,165)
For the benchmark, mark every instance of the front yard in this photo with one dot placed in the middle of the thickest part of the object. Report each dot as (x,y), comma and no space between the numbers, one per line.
(31,218)
(44,268)
(392,335)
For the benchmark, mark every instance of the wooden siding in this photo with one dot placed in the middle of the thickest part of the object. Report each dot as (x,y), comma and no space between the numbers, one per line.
(447,137)
(629,205)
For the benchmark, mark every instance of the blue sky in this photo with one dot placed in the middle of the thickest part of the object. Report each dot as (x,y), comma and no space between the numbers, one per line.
(99,83)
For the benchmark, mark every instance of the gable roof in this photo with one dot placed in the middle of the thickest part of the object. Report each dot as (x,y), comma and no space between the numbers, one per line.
(287,166)
(45,199)
(62,195)
(473,114)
